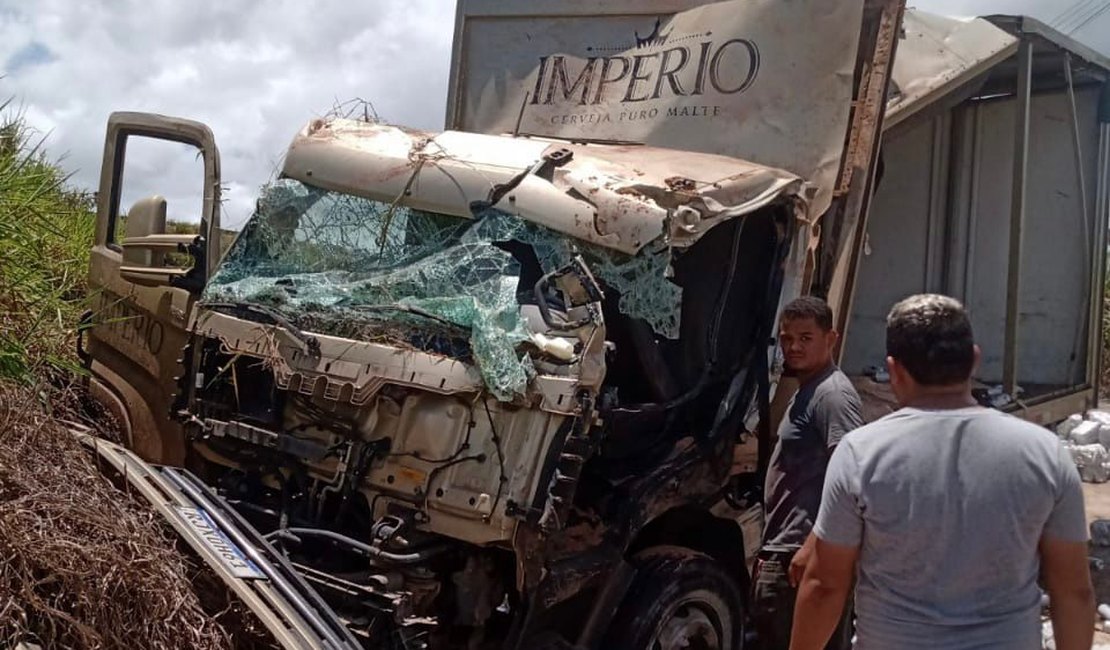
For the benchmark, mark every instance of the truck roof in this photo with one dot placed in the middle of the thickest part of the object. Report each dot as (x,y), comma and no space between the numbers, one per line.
(617,196)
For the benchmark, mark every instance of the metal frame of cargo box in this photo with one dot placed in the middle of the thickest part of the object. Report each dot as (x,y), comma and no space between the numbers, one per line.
(1045,62)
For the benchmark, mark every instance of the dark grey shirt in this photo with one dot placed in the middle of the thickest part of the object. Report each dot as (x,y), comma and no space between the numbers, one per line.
(822,411)
(947,509)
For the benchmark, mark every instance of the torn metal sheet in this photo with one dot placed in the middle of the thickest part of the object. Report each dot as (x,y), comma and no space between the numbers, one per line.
(617,197)
(940,54)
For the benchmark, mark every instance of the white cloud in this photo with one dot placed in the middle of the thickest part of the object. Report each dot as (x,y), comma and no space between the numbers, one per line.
(254,72)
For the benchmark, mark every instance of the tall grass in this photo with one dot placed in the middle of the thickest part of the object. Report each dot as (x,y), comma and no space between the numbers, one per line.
(82,565)
(46,230)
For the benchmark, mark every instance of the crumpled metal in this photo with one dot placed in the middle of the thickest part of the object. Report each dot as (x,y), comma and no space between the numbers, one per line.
(326,258)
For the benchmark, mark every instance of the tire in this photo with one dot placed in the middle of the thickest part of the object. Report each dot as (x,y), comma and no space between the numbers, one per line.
(680,600)
(548,641)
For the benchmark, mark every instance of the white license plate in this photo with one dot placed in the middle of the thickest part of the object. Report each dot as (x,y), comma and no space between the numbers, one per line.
(231,556)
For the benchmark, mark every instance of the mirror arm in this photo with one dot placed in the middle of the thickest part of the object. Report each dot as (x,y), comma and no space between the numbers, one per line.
(582,274)
(195,279)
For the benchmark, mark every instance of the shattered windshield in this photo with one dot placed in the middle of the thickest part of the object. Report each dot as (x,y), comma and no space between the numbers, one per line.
(349,266)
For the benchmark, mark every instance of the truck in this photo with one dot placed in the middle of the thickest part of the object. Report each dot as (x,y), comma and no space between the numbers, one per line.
(510,384)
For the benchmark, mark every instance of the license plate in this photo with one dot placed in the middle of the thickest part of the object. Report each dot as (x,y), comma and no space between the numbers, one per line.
(231,556)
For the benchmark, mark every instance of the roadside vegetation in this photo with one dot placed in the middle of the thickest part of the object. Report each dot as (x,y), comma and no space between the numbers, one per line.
(45,230)
(84,565)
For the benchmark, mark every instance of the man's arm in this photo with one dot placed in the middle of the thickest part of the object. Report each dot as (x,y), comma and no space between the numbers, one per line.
(822,594)
(1064,568)
(834,549)
(1071,596)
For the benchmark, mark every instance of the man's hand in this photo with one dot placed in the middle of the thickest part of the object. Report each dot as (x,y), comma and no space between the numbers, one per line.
(801,559)
(822,593)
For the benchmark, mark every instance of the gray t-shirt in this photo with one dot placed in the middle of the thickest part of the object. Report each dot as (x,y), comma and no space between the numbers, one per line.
(948,508)
(821,412)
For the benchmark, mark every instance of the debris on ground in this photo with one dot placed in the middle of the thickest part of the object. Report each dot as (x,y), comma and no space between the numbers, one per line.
(1100,532)
(1098,550)
(1088,440)
(995,396)
(85,565)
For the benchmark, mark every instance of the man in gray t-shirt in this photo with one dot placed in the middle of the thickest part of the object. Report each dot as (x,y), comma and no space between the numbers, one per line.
(946,513)
(824,408)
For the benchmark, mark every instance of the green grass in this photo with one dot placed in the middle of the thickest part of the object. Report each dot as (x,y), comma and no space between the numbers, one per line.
(46,230)
(84,565)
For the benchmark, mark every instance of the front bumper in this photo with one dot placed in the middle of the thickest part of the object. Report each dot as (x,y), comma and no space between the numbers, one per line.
(251,568)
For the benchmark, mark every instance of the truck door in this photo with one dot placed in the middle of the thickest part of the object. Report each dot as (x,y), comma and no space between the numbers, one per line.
(144,280)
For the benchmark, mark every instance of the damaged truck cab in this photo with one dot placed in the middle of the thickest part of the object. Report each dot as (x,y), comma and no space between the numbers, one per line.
(482,390)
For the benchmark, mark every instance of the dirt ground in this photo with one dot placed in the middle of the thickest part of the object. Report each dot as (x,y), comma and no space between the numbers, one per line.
(1097,498)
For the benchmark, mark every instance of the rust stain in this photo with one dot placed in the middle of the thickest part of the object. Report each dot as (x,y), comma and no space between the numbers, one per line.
(414,476)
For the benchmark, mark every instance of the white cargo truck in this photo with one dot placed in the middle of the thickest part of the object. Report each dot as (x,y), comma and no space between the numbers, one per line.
(506,385)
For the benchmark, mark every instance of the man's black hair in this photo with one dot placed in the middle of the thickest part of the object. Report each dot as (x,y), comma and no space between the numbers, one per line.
(931,336)
(809,307)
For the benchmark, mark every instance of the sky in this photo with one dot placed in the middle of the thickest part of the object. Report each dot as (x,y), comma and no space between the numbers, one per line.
(256,72)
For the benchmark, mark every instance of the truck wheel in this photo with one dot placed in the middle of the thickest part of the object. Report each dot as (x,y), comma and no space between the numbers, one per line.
(680,600)
(547,641)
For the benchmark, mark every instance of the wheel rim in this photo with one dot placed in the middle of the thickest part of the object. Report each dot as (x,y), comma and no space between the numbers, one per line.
(693,624)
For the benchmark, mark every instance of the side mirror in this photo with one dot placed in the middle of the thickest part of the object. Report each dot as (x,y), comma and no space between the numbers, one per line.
(146,217)
(146,245)
(578,288)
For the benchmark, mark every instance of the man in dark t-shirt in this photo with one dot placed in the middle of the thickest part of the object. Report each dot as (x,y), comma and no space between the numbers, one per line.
(824,409)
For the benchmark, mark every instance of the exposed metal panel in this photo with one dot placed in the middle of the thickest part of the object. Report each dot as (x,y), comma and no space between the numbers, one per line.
(1101,223)
(897,251)
(939,198)
(1082,328)
(1020,166)
(1053,268)
(988,214)
(1058,249)
(1019,25)
(1059,254)
(975,260)
(962,200)
(939,54)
